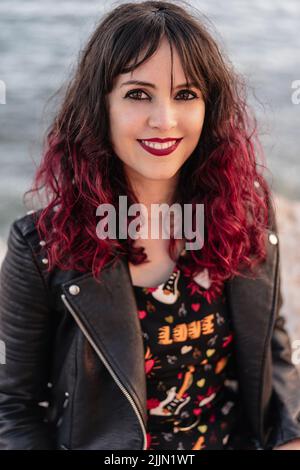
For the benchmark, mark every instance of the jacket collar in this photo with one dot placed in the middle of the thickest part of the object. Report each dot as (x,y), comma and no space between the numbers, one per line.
(108,312)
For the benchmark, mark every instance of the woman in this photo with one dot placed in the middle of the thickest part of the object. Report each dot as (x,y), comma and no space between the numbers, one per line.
(143,343)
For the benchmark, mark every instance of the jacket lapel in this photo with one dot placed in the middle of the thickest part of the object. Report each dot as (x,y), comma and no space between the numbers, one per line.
(108,312)
(252,305)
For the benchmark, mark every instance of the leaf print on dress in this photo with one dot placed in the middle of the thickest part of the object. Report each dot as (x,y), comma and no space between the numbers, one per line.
(203,285)
(199,444)
(151,363)
(204,400)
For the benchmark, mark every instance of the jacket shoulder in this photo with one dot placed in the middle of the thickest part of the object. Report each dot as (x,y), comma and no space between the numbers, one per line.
(25,261)
(26,224)
(23,230)
(24,240)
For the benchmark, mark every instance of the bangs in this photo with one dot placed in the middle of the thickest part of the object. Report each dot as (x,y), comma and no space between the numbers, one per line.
(145,38)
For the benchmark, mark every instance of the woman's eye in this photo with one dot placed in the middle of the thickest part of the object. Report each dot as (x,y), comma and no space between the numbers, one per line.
(188,92)
(136,93)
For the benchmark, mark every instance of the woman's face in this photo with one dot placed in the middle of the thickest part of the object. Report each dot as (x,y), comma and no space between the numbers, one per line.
(150,112)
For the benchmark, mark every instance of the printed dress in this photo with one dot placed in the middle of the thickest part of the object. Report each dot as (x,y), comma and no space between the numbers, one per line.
(192,394)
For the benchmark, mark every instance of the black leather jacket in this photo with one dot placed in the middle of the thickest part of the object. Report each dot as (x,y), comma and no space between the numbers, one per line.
(77,345)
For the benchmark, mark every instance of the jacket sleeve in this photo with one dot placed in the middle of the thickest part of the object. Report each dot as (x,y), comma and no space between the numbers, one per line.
(24,335)
(286,380)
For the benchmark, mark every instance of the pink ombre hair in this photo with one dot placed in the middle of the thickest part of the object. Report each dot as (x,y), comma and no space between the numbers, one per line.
(79,169)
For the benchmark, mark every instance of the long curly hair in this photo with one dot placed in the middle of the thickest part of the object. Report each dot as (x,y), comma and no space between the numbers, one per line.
(79,169)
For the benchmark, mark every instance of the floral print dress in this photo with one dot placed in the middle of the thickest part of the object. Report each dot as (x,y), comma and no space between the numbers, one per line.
(192,393)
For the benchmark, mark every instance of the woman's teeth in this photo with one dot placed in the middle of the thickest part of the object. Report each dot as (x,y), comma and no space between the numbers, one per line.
(156,145)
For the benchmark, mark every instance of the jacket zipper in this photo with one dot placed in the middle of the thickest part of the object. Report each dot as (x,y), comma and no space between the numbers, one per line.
(98,352)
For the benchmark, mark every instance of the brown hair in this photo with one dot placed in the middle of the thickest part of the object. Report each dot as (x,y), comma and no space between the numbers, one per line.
(79,169)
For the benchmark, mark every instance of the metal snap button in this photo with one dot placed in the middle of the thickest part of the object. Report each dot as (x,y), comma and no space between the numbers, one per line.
(273,239)
(74,290)
(45,260)
(66,401)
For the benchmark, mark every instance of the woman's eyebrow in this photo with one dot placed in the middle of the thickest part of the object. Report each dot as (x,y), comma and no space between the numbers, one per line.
(151,85)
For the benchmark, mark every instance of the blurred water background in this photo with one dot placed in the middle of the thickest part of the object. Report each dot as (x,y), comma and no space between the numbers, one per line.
(39,45)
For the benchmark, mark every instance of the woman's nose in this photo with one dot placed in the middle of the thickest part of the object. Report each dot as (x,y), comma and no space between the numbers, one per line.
(163,116)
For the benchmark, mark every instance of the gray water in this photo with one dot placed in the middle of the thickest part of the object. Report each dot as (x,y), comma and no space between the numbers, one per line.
(39,43)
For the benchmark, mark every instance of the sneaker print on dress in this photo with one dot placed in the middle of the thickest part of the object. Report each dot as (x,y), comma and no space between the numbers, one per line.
(171,405)
(167,293)
(176,399)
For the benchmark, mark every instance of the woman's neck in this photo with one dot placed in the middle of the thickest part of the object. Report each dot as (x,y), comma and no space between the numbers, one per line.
(150,191)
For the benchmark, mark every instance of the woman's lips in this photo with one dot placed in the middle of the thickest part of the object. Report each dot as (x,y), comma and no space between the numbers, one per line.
(160,152)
